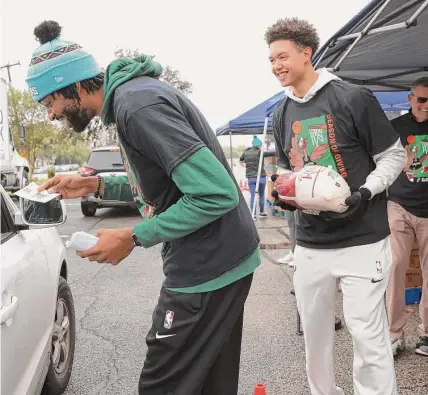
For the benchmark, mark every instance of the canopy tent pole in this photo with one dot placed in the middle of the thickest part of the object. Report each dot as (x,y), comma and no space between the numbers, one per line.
(257,197)
(361,35)
(231,151)
(368,31)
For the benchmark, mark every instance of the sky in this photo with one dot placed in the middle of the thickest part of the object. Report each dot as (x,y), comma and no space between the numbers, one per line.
(218,46)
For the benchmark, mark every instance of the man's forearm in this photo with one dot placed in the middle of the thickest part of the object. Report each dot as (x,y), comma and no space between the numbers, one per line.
(208,193)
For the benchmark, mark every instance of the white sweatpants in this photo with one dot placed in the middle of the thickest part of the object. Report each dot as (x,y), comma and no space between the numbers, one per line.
(364,274)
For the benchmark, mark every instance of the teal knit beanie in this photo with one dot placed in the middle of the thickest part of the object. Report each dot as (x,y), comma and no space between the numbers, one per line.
(57,63)
(257,142)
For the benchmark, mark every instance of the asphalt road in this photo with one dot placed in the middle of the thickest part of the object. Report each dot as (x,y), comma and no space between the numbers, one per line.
(114,306)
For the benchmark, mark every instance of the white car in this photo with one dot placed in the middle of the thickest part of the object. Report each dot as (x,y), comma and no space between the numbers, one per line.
(37,311)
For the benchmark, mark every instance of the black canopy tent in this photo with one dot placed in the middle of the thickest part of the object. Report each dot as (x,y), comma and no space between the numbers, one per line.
(384,47)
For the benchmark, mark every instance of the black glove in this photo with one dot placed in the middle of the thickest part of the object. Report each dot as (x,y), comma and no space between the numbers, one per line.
(354,202)
(280,203)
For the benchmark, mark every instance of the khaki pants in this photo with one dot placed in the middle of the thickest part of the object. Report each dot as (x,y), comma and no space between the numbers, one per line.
(404,228)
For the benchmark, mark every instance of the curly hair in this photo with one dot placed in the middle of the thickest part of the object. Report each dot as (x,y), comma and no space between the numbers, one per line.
(90,85)
(301,32)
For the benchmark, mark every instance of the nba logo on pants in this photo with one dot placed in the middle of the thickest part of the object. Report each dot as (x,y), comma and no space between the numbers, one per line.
(169,317)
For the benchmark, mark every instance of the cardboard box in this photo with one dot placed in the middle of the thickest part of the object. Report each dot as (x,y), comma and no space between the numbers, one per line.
(415,262)
(270,160)
(269,190)
(413,278)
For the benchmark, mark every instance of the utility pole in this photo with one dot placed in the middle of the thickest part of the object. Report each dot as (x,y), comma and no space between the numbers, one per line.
(8,66)
(15,112)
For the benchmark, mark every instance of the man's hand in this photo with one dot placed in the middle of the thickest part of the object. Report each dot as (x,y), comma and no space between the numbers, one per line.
(353,202)
(71,187)
(113,246)
(278,202)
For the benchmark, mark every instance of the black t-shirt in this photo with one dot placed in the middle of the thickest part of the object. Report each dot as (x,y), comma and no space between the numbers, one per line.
(159,128)
(342,126)
(410,190)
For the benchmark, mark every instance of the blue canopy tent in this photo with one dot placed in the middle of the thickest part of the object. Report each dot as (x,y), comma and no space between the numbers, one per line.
(383,47)
(253,120)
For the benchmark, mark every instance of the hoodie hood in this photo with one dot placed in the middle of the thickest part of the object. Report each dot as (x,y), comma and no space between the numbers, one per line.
(324,77)
(120,71)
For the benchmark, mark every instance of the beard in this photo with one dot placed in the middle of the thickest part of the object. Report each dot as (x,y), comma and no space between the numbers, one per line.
(77,117)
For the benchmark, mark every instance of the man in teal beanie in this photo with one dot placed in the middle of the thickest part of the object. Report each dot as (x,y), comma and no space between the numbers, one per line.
(257,143)
(190,203)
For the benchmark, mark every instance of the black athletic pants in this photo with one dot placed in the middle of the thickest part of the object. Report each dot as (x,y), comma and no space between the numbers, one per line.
(194,344)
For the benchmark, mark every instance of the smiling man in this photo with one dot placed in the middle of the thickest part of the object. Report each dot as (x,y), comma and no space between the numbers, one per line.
(408,217)
(189,199)
(326,121)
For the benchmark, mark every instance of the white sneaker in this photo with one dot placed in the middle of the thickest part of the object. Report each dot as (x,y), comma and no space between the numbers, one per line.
(288,259)
(397,345)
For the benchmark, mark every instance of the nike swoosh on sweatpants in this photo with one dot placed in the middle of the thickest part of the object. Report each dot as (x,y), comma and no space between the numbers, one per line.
(163,336)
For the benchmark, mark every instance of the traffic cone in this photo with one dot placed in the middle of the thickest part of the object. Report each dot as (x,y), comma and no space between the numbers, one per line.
(260,389)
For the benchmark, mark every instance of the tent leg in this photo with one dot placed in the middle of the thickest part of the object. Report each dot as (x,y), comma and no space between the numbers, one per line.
(257,196)
(231,151)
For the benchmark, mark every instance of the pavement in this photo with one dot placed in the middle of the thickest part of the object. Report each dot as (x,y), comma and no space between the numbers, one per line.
(114,305)
(273,232)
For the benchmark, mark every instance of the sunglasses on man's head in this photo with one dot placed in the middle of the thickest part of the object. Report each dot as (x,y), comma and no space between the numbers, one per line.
(420,99)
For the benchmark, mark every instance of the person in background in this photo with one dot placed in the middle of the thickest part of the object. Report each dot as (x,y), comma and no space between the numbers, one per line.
(408,217)
(251,158)
(289,257)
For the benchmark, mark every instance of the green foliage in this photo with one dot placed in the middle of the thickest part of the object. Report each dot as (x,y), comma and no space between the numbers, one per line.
(169,75)
(51,172)
(42,137)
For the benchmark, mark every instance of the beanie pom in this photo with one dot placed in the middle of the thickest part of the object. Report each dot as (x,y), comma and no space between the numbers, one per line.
(47,31)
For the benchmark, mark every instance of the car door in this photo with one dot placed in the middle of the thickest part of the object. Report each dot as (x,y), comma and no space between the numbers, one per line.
(26,314)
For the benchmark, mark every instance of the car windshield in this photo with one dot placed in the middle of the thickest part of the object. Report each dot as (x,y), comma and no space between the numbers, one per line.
(108,159)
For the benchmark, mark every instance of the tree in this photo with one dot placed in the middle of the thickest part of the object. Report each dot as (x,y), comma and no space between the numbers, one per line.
(172,76)
(39,132)
(169,74)
(269,140)
(42,137)
(71,148)
(107,135)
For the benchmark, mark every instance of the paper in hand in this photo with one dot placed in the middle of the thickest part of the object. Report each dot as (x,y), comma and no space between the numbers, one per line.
(30,193)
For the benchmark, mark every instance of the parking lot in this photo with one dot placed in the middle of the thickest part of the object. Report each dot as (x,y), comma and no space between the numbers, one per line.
(114,306)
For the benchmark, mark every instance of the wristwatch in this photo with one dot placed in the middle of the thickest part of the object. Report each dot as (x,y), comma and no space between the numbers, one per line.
(137,242)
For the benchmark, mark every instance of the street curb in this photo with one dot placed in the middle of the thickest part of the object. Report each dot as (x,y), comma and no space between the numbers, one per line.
(274,246)
(285,243)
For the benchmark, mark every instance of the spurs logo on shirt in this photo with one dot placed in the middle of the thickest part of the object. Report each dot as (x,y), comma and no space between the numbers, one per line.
(416,167)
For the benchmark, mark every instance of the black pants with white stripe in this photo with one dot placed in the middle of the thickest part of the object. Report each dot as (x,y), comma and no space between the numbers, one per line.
(194,344)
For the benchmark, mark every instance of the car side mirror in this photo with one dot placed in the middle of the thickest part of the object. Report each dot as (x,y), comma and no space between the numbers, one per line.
(42,215)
